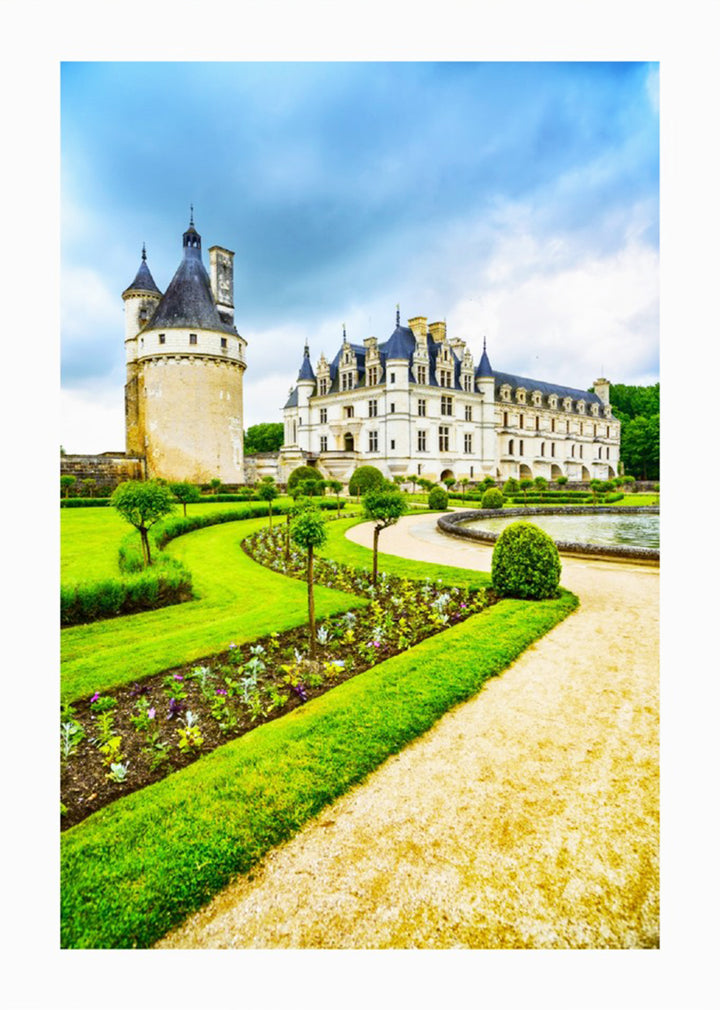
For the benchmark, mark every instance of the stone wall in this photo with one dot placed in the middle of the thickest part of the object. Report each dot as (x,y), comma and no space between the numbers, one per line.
(108,469)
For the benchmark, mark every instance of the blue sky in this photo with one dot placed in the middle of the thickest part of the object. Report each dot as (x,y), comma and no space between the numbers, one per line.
(519,201)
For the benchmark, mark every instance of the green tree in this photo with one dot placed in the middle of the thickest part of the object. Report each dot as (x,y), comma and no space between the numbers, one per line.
(307,530)
(267,491)
(540,483)
(302,473)
(425,484)
(449,482)
(437,498)
(511,486)
(216,485)
(89,485)
(364,479)
(336,487)
(595,486)
(184,492)
(267,437)
(562,480)
(525,485)
(640,446)
(463,482)
(384,506)
(66,482)
(142,504)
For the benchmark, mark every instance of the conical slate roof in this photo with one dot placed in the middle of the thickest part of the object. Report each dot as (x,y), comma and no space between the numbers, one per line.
(143,279)
(306,372)
(484,370)
(188,301)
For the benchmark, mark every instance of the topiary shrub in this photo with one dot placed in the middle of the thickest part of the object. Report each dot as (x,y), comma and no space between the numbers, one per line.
(302,473)
(525,563)
(365,479)
(492,499)
(438,499)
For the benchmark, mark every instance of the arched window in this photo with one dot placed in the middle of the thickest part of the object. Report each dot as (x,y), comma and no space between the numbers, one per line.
(542,448)
(511,446)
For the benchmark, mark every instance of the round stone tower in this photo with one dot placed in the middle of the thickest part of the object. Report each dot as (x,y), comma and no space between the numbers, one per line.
(185,365)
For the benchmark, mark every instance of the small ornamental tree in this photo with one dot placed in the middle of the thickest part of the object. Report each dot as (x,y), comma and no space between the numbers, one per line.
(364,479)
(310,487)
(525,563)
(595,486)
(525,485)
(142,504)
(511,486)
(267,491)
(562,481)
(449,482)
(540,483)
(66,482)
(463,482)
(307,530)
(438,499)
(301,473)
(487,482)
(492,499)
(216,485)
(184,492)
(383,506)
(425,484)
(336,487)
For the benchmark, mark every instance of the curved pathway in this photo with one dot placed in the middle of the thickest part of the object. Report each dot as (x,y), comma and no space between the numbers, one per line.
(526,818)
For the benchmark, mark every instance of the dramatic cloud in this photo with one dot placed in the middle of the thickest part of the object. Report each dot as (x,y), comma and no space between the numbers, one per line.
(519,201)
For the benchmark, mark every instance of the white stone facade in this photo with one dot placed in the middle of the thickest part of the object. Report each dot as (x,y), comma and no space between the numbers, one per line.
(416,405)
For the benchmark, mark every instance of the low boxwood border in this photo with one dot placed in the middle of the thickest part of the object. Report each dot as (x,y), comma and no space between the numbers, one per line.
(136,869)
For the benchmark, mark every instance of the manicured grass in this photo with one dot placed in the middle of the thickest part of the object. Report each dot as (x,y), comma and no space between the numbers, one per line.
(239,601)
(90,537)
(139,867)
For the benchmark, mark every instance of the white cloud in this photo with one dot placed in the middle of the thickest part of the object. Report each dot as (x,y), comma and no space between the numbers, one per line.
(89,306)
(92,420)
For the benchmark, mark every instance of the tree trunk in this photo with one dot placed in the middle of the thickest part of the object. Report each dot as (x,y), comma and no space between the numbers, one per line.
(184,508)
(376,538)
(270,513)
(287,539)
(145,545)
(311,602)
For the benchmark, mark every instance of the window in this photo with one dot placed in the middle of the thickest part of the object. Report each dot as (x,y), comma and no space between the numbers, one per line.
(372,375)
(422,408)
(161,338)
(468,412)
(372,408)
(349,412)
(522,420)
(444,438)
(323,443)
(467,383)
(223,342)
(552,448)
(552,424)
(505,419)
(392,408)
(522,447)
(472,471)
(537,424)
(446,405)
(581,455)
(323,415)
(323,387)
(422,374)
(422,441)
(372,441)
(346,381)
(392,376)
(542,448)
(392,443)
(468,443)
(511,447)
(193,338)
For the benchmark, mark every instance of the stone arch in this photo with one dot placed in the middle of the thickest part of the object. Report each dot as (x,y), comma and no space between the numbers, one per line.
(525,472)
(611,472)
(555,471)
(585,475)
(447,473)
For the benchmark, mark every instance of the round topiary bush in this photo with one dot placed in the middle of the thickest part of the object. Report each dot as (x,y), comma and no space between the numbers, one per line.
(437,498)
(525,563)
(302,473)
(492,499)
(365,479)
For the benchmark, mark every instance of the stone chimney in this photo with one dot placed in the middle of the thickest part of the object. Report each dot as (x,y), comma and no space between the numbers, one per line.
(419,326)
(437,332)
(602,388)
(221,282)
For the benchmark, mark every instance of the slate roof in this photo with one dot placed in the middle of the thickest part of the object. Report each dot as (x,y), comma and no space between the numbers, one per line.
(306,371)
(143,279)
(546,388)
(188,301)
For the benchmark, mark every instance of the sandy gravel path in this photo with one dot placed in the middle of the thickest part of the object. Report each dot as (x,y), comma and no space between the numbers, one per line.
(526,818)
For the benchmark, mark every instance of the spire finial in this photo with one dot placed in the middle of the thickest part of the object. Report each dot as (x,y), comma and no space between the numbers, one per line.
(306,352)
(484,345)
(144,254)
(397,314)
(344,334)
(192,223)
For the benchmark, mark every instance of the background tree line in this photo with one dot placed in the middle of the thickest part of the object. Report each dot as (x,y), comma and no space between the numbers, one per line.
(638,410)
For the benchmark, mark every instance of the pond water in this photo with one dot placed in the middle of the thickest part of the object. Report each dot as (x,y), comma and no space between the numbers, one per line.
(604,530)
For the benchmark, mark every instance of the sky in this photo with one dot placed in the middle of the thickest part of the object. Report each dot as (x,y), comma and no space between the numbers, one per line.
(517,201)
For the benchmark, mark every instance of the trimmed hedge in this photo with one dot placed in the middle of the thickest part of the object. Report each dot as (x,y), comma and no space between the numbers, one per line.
(525,563)
(83,503)
(437,498)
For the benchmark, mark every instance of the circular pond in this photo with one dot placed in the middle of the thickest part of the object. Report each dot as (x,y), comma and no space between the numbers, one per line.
(608,530)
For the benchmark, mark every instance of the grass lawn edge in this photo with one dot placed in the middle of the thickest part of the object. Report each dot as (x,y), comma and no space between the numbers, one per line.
(134,870)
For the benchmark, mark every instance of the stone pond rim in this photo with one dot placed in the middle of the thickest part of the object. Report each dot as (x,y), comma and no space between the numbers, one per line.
(453,525)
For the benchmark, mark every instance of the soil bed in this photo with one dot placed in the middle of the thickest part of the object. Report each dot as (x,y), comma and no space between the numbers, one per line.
(117,743)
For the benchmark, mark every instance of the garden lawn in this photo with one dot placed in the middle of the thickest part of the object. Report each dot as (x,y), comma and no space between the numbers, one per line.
(90,537)
(238,600)
(139,867)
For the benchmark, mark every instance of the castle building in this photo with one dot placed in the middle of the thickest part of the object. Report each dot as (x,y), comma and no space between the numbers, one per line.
(185,363)
(417,405)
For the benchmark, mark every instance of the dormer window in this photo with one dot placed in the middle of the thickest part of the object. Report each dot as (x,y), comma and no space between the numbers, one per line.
(552,401)
(567,403)
(323,387)
(421,374)
(537,399)
(467,383)
(372,375)
(505,393)
(581,406)
(520,395)
(594,409)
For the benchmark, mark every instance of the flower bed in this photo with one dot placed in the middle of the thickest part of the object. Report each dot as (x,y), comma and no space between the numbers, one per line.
(115,744)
